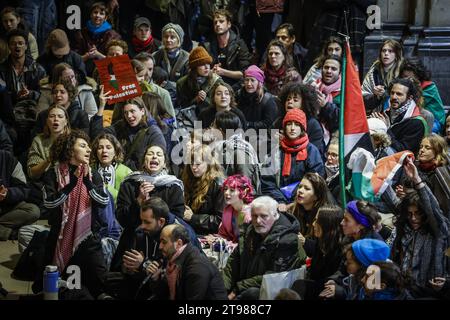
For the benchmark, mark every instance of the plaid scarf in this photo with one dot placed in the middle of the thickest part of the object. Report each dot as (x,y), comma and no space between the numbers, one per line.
(76,217)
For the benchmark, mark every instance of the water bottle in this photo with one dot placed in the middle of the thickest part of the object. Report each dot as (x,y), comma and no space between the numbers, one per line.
(51,276)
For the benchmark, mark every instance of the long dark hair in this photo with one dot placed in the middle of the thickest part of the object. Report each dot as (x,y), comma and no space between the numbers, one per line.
(321,191)
(329,219)
(412,198)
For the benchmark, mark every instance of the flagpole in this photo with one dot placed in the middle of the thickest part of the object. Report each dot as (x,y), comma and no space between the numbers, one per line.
(341,131)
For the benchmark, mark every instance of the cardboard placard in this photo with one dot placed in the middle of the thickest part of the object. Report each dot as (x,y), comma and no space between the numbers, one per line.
(118,76)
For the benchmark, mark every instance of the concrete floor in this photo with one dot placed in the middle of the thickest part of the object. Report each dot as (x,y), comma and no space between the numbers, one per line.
(9,255)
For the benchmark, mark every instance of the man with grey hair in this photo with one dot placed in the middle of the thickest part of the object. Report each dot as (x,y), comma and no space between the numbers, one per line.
(269,244)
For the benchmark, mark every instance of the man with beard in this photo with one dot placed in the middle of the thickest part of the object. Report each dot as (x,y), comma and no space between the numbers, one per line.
(270,244)
(189,275)
(328,92)
(144,249)
(406,126)
(230,53)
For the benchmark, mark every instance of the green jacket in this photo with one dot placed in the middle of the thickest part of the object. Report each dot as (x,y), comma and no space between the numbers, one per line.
(433,103)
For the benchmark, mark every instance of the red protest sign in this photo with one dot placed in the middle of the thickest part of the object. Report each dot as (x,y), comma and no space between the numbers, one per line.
(118,76)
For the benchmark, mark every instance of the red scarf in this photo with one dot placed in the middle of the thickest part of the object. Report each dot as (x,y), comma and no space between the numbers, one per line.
(274,78)
(172,272)
(428,166)
(76,217)
(140,45)
(292,146)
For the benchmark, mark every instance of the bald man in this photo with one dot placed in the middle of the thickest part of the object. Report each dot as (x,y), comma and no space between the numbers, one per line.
(189,274)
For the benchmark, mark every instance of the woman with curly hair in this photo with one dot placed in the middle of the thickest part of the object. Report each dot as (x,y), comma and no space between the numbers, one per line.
(303,97)
(238,194)
(74,195)
(64,93)
(203,195)
(107,160)
(385,69)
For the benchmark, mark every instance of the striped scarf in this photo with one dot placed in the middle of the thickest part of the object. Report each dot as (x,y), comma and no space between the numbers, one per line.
(76,217)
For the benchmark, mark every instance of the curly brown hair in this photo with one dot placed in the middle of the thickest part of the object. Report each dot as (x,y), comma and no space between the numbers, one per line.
(118,149)
(62,148)
(196,188)
(117,43)
(308,95)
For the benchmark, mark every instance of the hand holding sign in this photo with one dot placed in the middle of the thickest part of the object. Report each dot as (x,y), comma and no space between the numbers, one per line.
(118,78)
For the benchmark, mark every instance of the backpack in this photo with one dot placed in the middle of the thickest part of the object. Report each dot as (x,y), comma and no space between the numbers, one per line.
(31,260)
(25,114)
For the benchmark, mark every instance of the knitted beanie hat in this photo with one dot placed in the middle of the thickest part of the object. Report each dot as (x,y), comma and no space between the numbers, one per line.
(198,57)
(255,72)
(175,27)
(368,251)
(296,115)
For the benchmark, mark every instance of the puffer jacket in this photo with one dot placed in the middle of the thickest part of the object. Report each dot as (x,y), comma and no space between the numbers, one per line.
(256,256)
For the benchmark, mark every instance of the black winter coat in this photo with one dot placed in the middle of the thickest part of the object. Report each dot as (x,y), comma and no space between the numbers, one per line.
(198,278)
(48,61)
(256,256)
(33,73)
(259,115)
(407,135)
(207,218)
(238,58)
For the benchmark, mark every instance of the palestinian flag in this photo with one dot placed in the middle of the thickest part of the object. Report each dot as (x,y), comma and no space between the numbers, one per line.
(370,180)
(353,127)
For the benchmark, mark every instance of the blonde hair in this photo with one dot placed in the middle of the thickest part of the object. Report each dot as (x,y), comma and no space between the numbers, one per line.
(196,188)
(439,146)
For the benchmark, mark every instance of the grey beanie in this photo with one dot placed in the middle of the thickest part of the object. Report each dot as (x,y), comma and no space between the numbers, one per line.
(177,28)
